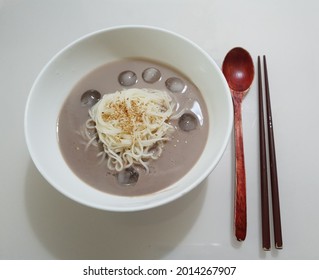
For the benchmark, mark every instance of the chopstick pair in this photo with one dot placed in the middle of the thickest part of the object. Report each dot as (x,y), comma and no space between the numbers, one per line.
(272,166)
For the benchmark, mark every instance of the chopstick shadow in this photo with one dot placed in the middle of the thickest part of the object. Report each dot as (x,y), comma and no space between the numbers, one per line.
(69,230)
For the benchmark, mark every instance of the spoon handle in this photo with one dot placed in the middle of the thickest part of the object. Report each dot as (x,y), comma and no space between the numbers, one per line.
(240,215)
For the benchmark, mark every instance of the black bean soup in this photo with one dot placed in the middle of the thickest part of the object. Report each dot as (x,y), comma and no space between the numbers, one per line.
(179,154)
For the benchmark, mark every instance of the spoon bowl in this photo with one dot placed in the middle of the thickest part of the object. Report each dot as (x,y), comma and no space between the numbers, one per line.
(238,69)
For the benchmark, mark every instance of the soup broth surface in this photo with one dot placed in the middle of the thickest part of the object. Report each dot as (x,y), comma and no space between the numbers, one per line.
(179,154)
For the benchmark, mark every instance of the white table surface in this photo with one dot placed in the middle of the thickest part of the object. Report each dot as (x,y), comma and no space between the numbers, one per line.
(37,222)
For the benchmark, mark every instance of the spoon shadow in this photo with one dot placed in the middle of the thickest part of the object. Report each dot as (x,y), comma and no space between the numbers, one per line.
(69,230)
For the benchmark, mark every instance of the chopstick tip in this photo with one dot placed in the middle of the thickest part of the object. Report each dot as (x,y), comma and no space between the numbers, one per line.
(279,247)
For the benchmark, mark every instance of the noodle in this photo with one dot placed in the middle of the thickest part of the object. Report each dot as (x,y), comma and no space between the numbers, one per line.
(132,125)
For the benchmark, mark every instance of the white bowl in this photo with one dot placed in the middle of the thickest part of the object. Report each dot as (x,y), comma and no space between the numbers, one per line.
(67,67)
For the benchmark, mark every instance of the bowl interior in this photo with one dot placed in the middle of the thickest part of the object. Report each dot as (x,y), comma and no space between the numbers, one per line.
(65,69)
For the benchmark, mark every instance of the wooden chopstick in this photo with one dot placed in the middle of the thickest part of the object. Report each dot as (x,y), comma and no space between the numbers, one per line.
(273,166)
(263,168)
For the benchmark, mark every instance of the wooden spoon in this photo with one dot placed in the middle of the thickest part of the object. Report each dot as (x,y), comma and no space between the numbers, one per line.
(238,69)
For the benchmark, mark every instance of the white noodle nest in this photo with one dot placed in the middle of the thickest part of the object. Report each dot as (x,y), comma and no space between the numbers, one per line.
(132,125)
